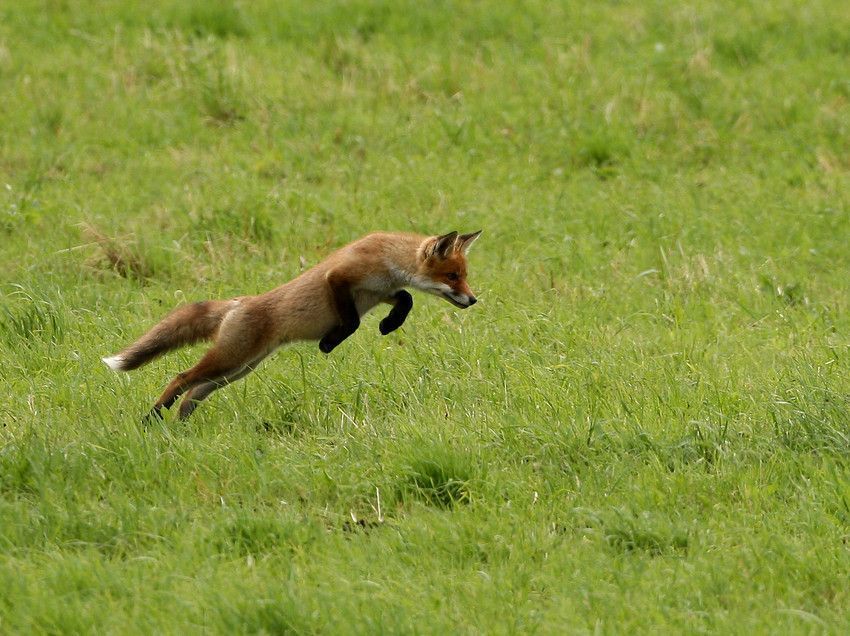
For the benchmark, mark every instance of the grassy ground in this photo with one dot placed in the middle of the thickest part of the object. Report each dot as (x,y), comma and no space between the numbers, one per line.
(642,426)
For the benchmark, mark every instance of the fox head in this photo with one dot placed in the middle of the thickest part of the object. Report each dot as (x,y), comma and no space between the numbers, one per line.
(441,268)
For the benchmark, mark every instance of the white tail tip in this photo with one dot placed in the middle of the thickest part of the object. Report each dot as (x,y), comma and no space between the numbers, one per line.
(116,363)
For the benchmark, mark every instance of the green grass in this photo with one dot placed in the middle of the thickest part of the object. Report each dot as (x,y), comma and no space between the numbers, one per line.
(644,425)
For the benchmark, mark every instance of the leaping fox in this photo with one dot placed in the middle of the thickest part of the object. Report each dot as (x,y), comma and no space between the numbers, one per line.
(324,303)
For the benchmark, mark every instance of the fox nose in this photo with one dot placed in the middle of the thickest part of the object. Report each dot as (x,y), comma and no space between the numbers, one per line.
(472,300)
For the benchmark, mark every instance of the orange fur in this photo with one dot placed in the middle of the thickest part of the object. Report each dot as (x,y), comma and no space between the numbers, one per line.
(324,303)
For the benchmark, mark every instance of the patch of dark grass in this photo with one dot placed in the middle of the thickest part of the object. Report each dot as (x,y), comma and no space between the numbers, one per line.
(632,536)
(340,55)
(812,419)
(253,225)
(838,480)
(438,477)
(116,254)
(50,118)
(705,444)
(87,531)
(790,294)
(258,534)
(371,20)
(283,427)
(741,49)
(600,151)
(596,152)
(27,319)
(628,532)
(836,40)
(21,472)
(12,216)
(361,525)
(221,98)
(637,444)
(696,93)
(240,614)
(216,18)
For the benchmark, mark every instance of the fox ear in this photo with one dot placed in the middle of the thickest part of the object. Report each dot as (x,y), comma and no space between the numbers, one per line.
(465,241)
(443,245)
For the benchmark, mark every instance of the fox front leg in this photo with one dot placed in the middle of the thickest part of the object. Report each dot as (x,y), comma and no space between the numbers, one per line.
(346,309)
(402,304)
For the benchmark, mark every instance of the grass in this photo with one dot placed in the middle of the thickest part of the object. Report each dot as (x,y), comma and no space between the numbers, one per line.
(642,427)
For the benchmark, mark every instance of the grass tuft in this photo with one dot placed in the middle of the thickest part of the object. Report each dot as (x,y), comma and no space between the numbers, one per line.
(222,99)
(601,152)
(279,614)
(790,294)
(217,18)
(813,419)
(438,477)
(627,532)
(27,319)
(742,49)
(257,535)
(637,533)
(117,255)
(237,223)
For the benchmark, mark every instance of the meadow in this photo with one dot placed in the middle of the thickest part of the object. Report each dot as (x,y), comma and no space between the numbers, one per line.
(642,427)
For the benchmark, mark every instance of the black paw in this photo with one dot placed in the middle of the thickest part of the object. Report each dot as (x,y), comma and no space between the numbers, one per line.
(388,326)
(326,346)
(154,415)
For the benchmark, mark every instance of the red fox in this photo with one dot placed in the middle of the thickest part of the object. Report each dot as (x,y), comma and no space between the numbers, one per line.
(324,303)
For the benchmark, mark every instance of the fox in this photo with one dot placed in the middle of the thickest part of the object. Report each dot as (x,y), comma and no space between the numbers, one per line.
(324,303)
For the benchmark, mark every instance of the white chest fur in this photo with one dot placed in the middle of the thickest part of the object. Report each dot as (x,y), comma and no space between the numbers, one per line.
(366,300)
(374,290)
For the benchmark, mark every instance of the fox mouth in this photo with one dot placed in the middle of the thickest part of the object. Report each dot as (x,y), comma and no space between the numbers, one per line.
(456,302)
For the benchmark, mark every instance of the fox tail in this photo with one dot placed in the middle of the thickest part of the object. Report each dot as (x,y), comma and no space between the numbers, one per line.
(183,326)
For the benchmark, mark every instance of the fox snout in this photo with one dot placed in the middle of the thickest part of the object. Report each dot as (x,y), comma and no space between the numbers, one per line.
(460,300)
(464,294)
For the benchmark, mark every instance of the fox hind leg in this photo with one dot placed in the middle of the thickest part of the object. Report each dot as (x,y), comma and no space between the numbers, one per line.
(202,391)
(243,340)
(210,368)
(197,395)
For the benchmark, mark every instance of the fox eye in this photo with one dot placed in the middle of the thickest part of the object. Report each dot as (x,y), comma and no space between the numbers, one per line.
(452,276)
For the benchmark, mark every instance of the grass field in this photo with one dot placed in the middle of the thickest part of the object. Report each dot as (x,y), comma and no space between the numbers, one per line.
(644,425)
